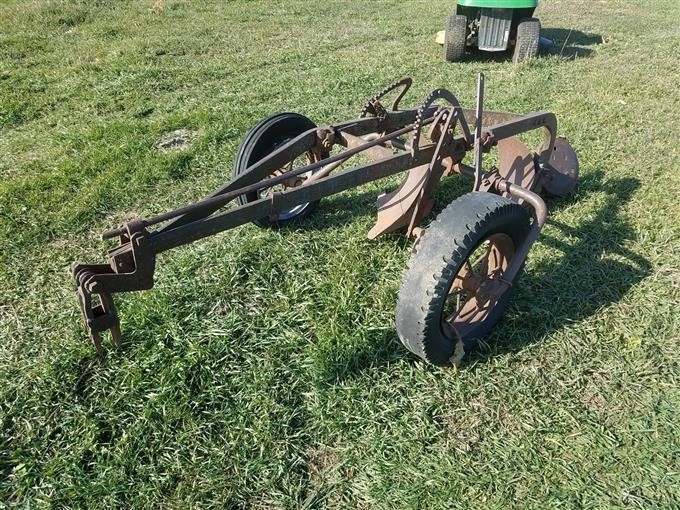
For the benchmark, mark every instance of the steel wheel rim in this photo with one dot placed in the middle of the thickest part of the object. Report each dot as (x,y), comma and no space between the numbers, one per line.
(305,159)
(466,305)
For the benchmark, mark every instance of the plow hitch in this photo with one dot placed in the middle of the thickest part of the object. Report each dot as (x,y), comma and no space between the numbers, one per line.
(131,267)
(285,166)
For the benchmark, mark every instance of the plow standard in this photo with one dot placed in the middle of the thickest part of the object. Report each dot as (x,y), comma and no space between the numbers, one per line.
(461,274)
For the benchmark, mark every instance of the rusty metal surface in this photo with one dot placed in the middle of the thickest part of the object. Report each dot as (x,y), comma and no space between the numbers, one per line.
(412,201)
(479,113)
(131,267)
(561,172)
(394,208)
(472,288)
(426,109)
(373,105)
(540,217)
(427,158)
(516,165)
(322,188)
(374,152)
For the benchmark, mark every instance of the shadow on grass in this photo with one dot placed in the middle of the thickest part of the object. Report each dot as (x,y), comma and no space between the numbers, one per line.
(590,268)
(594,271)
(341,209)
(590,272)
(567,43)
(344,208)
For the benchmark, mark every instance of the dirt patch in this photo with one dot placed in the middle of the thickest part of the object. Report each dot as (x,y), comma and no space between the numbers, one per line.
(118,218)
(320,461)
(157,8)
(178,140)
(464,426)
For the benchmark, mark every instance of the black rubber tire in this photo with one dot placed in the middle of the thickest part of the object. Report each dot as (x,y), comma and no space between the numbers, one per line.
(455,234)
(455,38)
(260,141)
(527,40)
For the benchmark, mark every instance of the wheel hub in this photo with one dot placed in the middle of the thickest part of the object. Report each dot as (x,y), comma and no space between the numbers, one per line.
(295,181)
(478,284)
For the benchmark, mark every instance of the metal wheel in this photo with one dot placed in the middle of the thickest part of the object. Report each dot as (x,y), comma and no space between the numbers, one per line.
(302,160)
(467,304)
(446,301)
(263,139)
(562,170)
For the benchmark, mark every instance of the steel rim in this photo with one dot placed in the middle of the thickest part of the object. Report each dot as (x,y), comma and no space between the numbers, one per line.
(298,180)
(467,304)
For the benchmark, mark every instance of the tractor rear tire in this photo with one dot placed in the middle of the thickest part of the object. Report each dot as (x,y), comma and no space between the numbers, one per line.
(455,38)
(527,40)
(265,137)
(442,272)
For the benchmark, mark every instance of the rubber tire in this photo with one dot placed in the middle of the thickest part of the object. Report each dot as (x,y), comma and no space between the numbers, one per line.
(527,40)
(439,254)
(455,38)
(260,141)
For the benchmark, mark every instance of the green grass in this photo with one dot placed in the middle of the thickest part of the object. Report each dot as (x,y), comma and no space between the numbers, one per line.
(263,371)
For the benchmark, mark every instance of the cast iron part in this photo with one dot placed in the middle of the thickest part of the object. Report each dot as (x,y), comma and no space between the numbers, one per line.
(396,141)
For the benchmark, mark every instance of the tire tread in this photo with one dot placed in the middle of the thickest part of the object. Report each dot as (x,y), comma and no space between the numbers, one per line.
(438,256)
(527,40)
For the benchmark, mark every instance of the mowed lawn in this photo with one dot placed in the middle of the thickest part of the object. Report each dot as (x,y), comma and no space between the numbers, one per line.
(264,370)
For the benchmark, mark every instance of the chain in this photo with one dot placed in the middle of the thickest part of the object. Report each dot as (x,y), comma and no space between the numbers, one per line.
(375,108)
(373,105)
(431,98)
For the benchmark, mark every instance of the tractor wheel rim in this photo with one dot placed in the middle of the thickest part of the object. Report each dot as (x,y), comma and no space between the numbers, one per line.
(302,160)
(466,305)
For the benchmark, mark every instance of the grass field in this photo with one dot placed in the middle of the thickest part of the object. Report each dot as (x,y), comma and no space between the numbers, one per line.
(264,371)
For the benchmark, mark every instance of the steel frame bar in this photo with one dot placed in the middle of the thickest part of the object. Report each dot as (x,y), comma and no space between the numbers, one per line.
(132,263)
(351,178)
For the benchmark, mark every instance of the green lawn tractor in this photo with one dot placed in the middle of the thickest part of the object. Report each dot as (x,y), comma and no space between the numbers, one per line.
(492,25)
